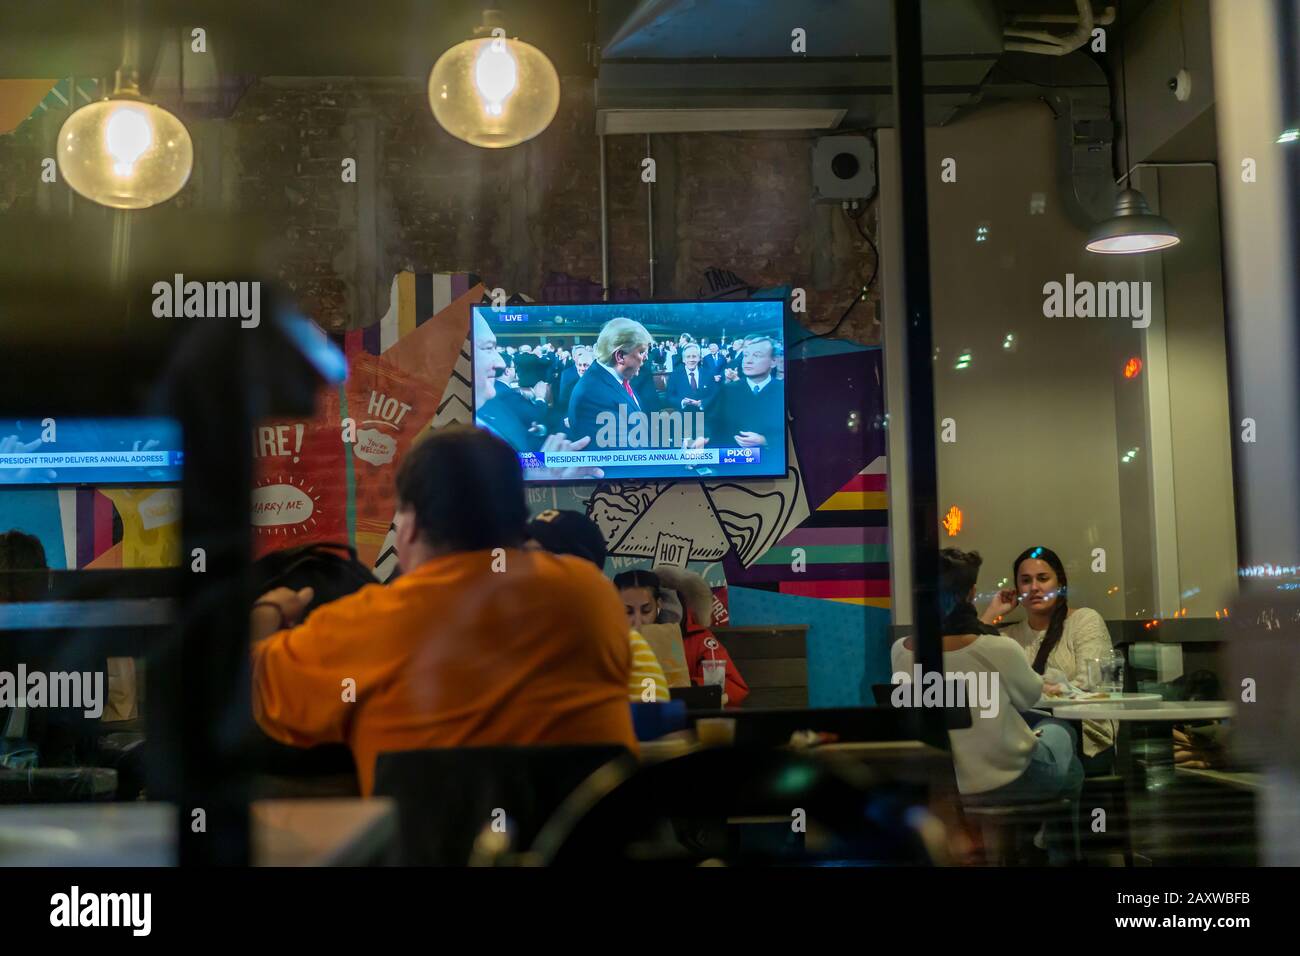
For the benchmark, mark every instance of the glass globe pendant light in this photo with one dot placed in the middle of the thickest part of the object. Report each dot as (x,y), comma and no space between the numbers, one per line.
(123,151)
(492,91)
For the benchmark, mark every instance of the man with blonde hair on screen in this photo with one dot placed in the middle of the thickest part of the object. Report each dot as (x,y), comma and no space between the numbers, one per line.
(620,352)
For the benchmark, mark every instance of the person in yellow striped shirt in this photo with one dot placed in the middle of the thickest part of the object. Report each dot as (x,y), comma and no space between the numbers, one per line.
(646,683)
(570,532)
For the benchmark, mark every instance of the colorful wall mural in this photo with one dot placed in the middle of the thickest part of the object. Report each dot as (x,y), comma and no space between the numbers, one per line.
(809,548)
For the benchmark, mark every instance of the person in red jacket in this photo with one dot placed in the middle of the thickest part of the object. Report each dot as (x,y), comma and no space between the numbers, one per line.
(669,595)
(702,645)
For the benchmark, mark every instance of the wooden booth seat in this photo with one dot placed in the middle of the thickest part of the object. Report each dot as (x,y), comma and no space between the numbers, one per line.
(773,660)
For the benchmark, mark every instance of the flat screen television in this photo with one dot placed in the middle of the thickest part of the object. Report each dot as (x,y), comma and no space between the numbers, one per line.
(635,390)
(90,451)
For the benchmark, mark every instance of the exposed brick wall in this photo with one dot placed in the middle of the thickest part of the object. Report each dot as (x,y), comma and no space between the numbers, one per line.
(432,203)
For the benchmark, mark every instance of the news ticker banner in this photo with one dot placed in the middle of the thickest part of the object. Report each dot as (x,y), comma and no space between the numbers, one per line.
(615,457)
(83,459)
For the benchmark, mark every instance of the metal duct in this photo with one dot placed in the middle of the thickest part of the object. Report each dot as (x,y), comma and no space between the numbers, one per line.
(1077,91)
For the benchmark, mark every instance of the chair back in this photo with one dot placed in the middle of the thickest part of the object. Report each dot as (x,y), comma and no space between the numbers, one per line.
(955,718)
(680,810)
(447,797)
(58,785)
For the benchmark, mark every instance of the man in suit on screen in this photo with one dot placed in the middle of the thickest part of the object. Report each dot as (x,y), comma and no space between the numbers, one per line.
(714,364)
(582,359)
(750,412)
(607,386)
(688,388)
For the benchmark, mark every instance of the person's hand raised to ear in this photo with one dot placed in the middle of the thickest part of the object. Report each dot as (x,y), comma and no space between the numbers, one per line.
(1003,603)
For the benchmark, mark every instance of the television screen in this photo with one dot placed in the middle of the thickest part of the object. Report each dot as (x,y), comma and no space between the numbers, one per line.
(647,390)
(90,451)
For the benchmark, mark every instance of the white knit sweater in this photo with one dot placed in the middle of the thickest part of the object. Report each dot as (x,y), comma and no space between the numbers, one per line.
(1085,636)
(995,749)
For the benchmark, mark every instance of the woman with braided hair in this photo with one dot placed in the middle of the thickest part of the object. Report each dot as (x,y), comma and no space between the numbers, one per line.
(1059,640)
(670,595)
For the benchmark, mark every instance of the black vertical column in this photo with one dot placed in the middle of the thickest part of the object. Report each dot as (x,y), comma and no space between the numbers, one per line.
(922,474)
(200,713)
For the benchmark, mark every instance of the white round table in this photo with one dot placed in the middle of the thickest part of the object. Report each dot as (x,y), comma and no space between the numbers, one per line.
(1171,710)
(1133,771)
(1114,700)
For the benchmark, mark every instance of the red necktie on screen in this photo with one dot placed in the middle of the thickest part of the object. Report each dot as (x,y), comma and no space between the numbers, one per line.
(627,385)
(693,385)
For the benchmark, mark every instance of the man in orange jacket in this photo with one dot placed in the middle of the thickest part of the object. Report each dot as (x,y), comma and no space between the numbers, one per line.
(479,642)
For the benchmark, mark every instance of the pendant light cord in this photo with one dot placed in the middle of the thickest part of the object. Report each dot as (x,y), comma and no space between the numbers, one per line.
(128,73)
(1182,35)
(1123,82)
(1172,163)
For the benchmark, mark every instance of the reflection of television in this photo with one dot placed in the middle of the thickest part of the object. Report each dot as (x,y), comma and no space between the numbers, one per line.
(705,398)
(90,451)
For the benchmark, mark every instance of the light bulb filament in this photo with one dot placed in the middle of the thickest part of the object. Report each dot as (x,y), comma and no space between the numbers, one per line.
(496,75)
(128,134)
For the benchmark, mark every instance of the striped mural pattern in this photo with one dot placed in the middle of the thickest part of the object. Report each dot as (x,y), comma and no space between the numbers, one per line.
(457,399)
(415,298)
(843,547)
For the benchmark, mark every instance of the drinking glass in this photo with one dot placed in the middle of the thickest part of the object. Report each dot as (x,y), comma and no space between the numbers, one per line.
(716,731)
(1112,673)
(1092,667)
(714,672)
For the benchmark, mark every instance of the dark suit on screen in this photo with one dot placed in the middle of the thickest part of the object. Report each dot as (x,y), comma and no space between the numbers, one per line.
(563,392)
(738,409)
(643,383)
(597,391)
(568,378)
(502,416)
(679,387)
(714,366)
(554,369)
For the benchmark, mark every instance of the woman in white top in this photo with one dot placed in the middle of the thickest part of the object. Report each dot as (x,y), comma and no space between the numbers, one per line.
(1059,640)
(998,759)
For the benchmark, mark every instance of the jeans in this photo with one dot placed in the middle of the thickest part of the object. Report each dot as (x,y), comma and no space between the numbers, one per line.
(1054,771)
(1098,765)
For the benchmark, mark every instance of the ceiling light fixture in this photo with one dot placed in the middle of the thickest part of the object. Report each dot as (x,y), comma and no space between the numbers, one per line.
(1132,227)
(492,91)
(123,151)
